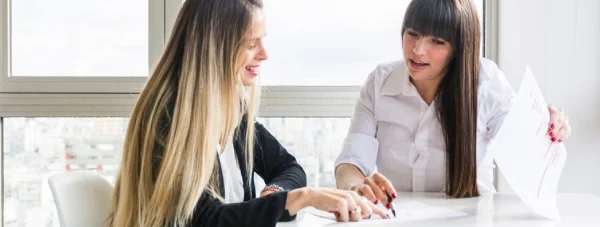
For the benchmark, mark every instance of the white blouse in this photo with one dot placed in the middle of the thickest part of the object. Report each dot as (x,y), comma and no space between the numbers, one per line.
(394,132)
(232,175)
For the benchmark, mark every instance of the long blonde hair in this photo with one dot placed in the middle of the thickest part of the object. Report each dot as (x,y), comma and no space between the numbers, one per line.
(188,106)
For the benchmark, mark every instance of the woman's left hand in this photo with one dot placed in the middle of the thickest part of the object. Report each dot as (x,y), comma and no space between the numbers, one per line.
(559,129)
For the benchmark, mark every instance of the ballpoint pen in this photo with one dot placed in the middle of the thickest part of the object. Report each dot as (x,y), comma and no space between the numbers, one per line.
(389,198)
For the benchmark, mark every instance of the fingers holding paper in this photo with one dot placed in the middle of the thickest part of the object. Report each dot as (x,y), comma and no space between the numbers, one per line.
(559,128)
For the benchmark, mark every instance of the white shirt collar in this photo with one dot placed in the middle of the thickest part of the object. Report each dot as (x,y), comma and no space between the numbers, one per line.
(398,82)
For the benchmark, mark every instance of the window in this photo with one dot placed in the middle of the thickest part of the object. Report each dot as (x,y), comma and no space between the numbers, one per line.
(36,148)
(79,38)
(315,142)
(331,42)
(70,46)
(340,43)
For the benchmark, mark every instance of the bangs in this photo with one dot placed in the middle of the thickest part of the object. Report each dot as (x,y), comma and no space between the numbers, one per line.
(436,18)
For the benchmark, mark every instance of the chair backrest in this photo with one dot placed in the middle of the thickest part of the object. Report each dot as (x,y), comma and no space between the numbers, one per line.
(82,198)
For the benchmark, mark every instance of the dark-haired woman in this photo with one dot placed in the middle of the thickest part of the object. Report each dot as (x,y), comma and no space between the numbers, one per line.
(423,123)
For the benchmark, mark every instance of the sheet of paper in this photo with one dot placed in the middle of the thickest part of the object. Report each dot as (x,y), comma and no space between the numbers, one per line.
(405,211)
(529,161)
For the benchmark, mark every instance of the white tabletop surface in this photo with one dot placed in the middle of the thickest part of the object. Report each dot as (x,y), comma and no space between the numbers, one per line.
(495,210)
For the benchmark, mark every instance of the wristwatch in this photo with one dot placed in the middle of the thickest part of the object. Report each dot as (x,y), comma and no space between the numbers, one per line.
(273,187)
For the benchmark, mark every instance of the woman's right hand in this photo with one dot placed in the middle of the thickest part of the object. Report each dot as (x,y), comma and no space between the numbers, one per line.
(346,205)
(374,188)
(343,203)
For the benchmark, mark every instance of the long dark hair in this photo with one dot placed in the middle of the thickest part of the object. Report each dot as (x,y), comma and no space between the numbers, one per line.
(455,21)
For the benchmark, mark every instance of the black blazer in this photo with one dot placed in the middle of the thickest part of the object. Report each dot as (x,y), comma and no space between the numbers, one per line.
(275,165)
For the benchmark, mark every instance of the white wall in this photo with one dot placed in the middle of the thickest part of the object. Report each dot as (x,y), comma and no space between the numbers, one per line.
(560,40)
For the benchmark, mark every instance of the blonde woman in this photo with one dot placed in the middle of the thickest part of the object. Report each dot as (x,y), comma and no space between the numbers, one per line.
(192,144)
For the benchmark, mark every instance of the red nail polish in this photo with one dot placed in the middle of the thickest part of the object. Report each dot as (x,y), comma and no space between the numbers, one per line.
(553,139)
(560,141)
(552,126)
(376,201)
(387,206)
(551,133)
(394,196)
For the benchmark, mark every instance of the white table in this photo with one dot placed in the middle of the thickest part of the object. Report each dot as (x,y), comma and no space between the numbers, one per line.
(497,210)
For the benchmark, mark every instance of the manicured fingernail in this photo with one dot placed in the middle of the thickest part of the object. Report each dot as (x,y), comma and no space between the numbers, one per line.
(553,139)
(552,126)
(387,206)
(375,202)
(560,141)
(394,196)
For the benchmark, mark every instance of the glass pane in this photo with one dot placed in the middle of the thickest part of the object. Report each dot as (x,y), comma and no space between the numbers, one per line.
(79,38)
(36,148)
(330,42)
(315,142)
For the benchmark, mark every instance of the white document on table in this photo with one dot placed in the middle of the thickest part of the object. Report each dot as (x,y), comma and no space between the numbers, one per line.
(524,153)
(405,211)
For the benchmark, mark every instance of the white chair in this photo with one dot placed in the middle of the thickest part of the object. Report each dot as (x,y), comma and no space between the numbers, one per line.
(82,198)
